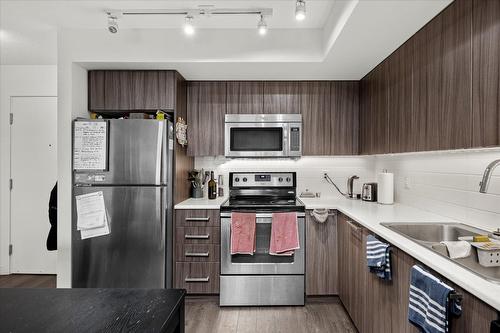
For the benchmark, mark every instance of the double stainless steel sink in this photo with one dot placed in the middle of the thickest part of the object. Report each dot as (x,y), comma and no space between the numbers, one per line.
(431,234)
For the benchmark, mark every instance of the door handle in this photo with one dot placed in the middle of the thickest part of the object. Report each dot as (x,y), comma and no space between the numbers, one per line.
(196,254)
(197,280)
(199,219)
(207,236)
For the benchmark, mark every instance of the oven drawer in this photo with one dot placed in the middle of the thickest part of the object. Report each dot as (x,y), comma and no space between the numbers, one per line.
(197,277)
(197,235)
(197,218)
(197,252)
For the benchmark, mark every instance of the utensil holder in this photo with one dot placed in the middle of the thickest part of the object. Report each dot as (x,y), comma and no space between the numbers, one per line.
(196,192)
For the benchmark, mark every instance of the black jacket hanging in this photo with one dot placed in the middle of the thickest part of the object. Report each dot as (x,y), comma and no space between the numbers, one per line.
(52,237)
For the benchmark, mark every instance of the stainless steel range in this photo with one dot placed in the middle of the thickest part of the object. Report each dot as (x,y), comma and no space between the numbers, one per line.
(261,278)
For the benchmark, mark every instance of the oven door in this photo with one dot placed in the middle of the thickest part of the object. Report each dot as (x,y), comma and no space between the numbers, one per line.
(261,262)
(258,139)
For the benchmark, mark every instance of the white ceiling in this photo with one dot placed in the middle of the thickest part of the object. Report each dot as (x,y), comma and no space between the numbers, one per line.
(340,39)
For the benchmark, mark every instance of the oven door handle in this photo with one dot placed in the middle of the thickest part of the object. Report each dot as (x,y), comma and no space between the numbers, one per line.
(261,215)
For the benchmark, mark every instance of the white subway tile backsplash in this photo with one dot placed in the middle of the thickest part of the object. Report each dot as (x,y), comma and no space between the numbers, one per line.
(309,170)
(447,183)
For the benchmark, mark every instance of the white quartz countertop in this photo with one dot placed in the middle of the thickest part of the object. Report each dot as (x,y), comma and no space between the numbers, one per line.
(200,203)
(371,215)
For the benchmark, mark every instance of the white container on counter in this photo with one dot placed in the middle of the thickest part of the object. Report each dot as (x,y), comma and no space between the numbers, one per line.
(385,186)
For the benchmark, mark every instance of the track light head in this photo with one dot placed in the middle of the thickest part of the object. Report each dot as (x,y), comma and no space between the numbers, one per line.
(262,26)
(188,25)
(112,23)
(300,10)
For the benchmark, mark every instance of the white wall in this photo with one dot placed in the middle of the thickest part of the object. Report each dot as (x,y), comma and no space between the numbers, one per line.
(447,183)
(16,81)
(309,170)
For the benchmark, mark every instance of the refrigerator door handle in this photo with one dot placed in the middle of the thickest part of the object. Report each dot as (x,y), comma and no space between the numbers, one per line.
(162,206)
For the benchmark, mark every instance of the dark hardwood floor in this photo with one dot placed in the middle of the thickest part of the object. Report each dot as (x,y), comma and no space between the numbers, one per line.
(27,281)
(325,314)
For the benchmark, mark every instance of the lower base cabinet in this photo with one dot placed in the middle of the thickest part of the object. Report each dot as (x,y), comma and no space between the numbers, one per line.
(377,306)
(197,250)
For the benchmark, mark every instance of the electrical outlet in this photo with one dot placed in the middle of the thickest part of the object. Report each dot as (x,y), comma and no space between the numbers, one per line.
(407,183)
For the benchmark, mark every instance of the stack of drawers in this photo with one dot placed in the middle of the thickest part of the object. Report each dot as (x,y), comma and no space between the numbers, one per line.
(197,250)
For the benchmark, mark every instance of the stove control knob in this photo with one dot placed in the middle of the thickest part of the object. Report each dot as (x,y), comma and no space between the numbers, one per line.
(280,179)
(245,179)
(288,179)
(236,179)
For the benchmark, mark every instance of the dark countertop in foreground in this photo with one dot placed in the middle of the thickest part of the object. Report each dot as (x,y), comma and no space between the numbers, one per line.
(91,310)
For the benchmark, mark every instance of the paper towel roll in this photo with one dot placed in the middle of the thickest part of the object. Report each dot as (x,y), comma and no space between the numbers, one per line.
(385,187)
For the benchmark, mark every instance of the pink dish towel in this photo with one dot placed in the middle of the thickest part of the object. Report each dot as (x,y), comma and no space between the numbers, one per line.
(242,233)
(284,234)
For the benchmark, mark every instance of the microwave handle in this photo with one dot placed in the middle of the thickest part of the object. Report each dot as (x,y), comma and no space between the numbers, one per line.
(286,142)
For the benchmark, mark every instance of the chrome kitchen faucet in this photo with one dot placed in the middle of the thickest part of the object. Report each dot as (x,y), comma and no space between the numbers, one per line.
(483,185)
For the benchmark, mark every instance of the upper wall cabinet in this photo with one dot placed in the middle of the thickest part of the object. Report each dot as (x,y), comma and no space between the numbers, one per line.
(315,109)
(419,98)
(245,97)
(206,107)
(281,97)
(344,118)
(374,112)
(448,78)
(486,73)
(123,90)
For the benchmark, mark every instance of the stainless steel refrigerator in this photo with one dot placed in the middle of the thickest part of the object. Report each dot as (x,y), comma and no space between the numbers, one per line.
(137,190)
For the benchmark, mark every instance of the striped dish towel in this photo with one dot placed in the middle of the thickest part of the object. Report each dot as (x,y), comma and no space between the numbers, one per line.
(378,257)
(429,305)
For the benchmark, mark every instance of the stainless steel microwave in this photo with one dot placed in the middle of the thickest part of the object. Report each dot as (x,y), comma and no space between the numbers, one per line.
(263,135)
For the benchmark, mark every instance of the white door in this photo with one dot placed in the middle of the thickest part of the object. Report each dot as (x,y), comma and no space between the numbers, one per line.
(34,173)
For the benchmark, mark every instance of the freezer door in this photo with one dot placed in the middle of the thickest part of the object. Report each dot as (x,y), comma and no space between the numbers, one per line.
(133,255)
(138,154)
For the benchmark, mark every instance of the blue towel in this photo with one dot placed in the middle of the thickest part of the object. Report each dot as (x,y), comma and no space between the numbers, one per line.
(429,305)
(378,257)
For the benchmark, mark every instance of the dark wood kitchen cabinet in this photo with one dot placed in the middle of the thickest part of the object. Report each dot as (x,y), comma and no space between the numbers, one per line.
(374,112)
(419,98)
(321,256)
(407,122)
(445,80)
(486,73)
(131,90)
(378,306)
(351,265)
(206,107)
(315,107)
(344,118)
(281,97)
(197,250)
(245,97)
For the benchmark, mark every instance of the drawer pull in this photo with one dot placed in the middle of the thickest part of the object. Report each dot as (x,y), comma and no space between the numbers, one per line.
(199,219)
(196,254)
(195,280)
(355,227)
(207,236)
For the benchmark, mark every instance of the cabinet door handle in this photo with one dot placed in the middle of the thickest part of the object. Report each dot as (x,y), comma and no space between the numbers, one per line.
(197,280)
(355,227)
(207,236)
(198,219)
(196,254)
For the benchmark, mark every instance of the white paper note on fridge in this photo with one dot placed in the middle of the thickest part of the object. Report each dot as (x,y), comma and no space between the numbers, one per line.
(91,211)
(95,232)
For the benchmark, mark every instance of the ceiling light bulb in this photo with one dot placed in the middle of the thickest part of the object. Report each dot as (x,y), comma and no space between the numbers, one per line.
(300,10)
(112,24)
(262,26)
(188,25)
